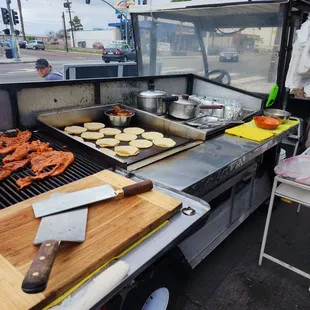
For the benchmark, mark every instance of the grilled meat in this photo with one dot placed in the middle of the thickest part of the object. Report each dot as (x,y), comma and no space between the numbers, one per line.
(118,111)
(58,161)
(39,154)
(24,149)
(7,169)
(21,137)
(8,149)
(4,173)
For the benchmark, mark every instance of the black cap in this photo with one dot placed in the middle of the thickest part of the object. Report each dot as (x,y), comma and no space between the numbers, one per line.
(42,63)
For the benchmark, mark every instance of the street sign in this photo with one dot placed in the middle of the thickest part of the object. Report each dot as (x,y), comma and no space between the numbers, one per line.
(123,5)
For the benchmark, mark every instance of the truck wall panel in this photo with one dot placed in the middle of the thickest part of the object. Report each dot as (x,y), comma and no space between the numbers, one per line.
(126,91)
(217,222)
(32,101)
(6,114)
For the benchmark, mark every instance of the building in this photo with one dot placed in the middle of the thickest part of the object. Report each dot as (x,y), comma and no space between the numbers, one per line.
(89,37)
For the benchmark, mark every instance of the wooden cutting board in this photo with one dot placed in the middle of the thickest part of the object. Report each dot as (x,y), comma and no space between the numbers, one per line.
(112,226)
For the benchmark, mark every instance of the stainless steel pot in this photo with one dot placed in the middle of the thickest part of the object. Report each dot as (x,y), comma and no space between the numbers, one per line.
(154,101)
(184,108)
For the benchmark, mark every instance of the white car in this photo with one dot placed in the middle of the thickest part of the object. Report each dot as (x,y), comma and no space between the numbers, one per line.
(35,45)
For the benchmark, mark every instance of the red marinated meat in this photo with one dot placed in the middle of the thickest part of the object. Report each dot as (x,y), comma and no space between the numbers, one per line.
(57,160)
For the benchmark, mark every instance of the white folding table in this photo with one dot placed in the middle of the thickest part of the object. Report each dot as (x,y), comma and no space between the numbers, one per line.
(292,191)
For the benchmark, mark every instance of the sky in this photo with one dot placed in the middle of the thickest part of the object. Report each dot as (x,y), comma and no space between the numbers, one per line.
(41,16)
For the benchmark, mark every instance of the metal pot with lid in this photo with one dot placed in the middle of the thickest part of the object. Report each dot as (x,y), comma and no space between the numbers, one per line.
(154,101)
(185,108)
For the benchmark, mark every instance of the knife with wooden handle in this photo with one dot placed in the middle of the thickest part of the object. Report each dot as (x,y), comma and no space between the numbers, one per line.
(86,197)
(37,276)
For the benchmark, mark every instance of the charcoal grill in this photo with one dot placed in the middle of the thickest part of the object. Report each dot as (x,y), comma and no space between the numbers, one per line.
(82,167)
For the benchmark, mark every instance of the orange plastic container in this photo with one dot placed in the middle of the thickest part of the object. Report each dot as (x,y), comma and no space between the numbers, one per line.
(265,122)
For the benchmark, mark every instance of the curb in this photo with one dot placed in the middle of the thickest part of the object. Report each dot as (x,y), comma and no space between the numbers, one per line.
(81,53)
(16,63)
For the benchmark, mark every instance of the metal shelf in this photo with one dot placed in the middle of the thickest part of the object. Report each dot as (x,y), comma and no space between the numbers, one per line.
(297,194)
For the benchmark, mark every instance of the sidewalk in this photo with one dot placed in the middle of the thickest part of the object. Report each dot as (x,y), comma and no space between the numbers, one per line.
(23,59)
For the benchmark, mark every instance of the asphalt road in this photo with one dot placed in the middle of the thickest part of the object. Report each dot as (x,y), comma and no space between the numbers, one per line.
(250,70)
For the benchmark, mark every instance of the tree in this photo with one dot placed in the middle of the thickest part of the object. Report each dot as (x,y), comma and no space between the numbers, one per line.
(50,34)
(21,18)
(75,24)
(60,34)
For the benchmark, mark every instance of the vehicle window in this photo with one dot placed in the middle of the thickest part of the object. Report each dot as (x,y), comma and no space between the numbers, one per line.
(118,46)
(40,42)
(252,43)
(230,50)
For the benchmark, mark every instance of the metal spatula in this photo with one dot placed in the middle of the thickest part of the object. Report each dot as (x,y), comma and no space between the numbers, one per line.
(87,196)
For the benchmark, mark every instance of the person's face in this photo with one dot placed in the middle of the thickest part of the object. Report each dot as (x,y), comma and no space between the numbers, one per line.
(43,72)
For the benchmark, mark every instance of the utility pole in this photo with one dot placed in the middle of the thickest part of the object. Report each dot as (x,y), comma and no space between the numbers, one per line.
(13,37)
(21,18)
(65,31)
(126,29)
(70,18)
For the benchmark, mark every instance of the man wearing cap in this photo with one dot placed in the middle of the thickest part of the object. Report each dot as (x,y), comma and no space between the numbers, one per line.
(46,71)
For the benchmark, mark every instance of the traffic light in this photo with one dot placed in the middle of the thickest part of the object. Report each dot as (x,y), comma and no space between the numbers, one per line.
(15,17)
(6,32)
(17,32)
(87,1)
(5,16)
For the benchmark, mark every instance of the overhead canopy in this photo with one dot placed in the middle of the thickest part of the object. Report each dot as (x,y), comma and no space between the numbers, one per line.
(209,14)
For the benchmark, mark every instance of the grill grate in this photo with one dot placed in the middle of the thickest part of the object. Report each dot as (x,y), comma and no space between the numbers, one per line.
(82,166)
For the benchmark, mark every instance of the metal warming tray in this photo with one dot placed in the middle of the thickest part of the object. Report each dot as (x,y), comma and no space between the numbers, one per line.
(184,136)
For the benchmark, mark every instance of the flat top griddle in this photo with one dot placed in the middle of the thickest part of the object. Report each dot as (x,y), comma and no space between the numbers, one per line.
(144,153)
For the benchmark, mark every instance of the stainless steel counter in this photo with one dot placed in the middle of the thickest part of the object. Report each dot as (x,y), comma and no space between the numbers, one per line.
(194,170)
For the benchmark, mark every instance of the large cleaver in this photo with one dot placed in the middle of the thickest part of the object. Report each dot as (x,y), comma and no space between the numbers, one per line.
(87,196)
(66,226)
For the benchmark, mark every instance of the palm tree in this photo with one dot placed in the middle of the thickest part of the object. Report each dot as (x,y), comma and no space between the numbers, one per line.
(21,18)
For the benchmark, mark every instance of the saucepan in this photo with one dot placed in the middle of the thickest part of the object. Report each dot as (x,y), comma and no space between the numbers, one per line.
(160,103)
(185,109)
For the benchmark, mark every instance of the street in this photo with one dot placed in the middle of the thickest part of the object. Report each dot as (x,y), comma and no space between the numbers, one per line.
(251,70)
(26,72)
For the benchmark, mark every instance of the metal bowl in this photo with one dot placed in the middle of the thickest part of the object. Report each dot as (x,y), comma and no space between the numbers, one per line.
(281,115)
(119,121)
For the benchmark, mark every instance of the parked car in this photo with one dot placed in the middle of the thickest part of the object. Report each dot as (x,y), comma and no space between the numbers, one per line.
(229,54)
(35,45)
(4,43)
(22,44)
(98,45)
(118,52)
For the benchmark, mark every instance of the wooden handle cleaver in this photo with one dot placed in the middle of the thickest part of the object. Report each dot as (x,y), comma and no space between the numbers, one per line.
(37,276)
(136,189)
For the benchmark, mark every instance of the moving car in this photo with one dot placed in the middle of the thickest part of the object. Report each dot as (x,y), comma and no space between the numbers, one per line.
(22,44)
(35,45)
(118,52)
(229,54)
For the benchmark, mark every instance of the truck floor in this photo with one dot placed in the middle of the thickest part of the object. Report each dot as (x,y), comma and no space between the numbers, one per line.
(230,278)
